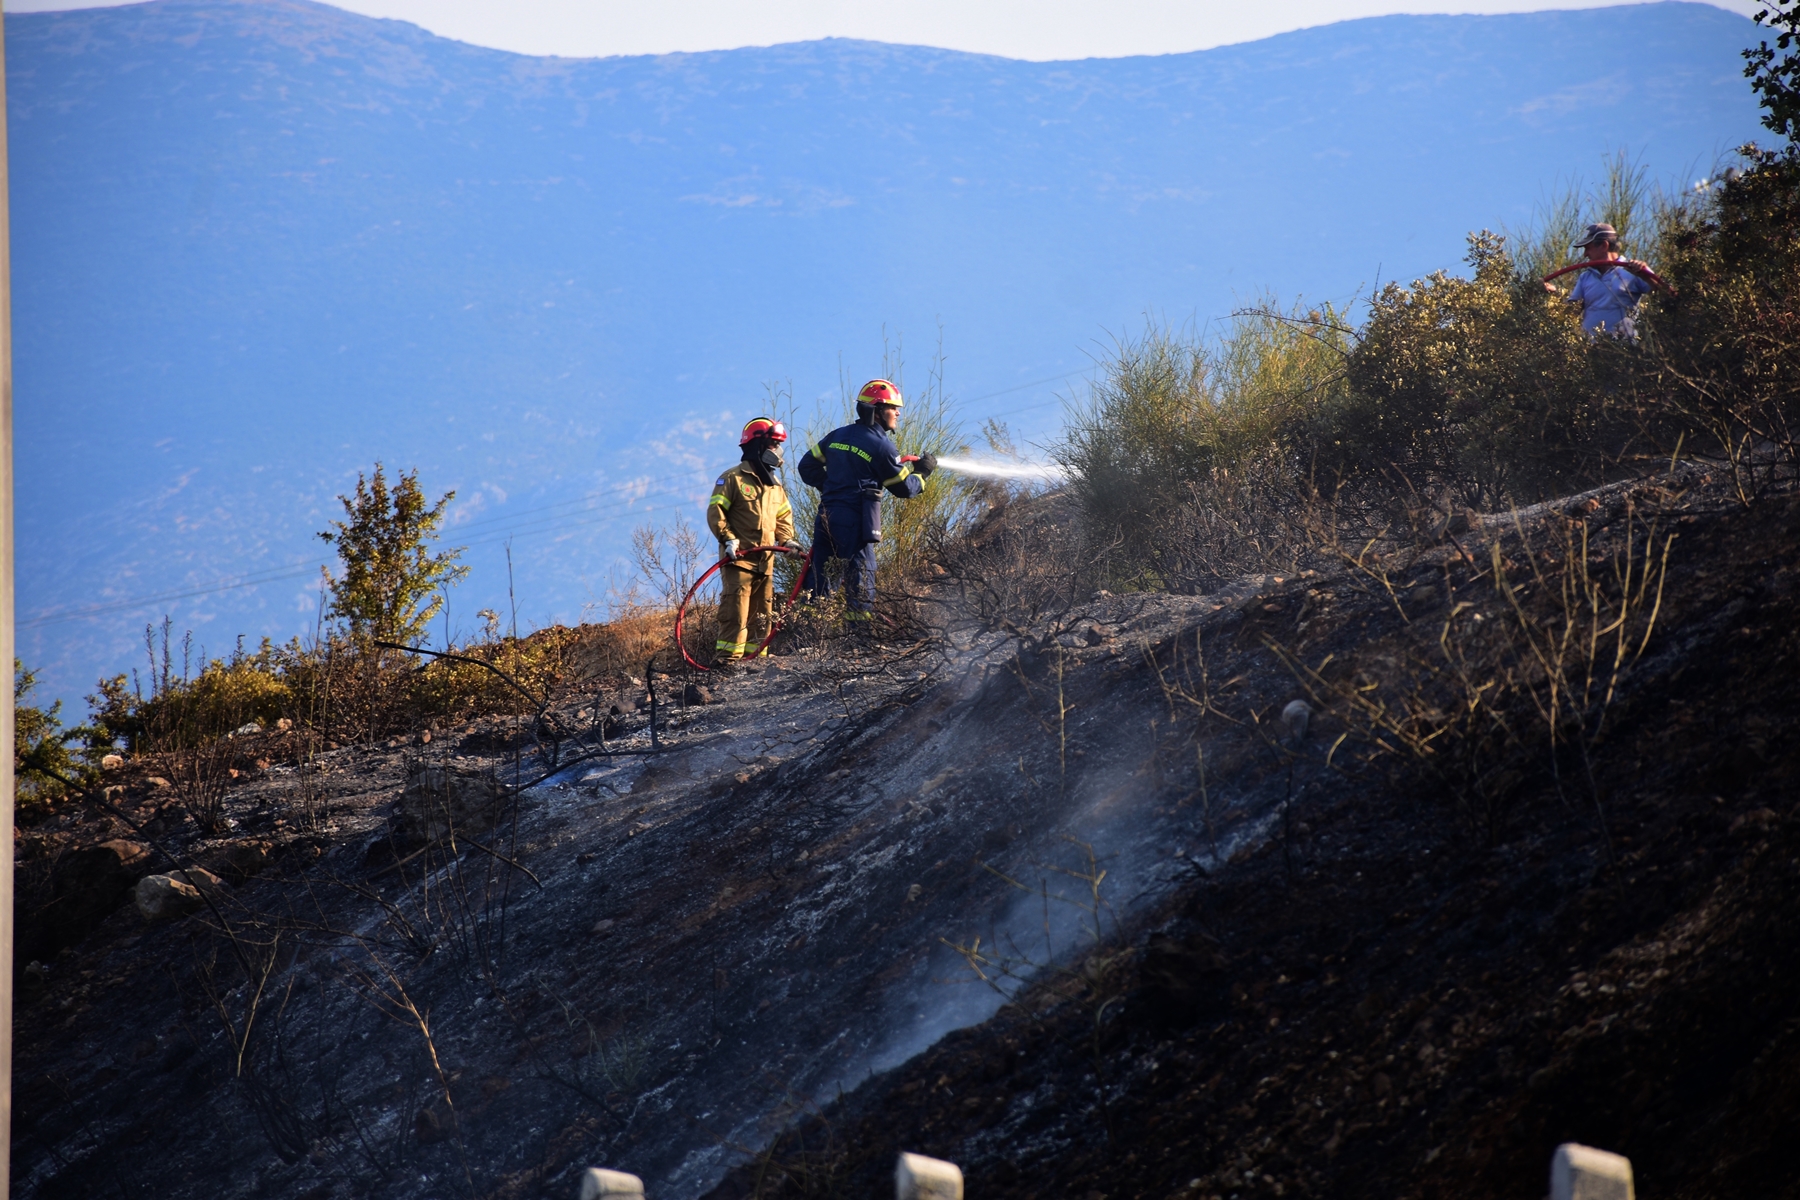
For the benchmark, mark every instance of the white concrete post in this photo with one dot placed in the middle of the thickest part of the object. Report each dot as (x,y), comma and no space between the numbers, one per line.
(1580,1172)
(1294,719)
(919,1178)
(598,1183)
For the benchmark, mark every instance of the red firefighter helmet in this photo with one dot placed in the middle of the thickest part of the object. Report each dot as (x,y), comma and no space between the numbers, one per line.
(767,427)
(879,391)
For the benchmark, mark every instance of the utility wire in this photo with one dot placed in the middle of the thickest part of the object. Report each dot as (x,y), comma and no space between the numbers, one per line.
(1021,387)
(95,610)
(510,521)
(652,487)
(608,511)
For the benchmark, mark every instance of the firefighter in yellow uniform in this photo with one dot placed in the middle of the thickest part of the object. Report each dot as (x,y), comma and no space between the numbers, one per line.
(749,507)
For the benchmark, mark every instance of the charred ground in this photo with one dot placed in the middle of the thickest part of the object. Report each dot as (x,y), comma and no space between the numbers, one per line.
(1318,968)
(1397,999)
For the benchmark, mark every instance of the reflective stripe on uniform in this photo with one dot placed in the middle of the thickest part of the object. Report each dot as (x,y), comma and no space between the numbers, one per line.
(818,452)
(855,615)
(905,470)
(720,499)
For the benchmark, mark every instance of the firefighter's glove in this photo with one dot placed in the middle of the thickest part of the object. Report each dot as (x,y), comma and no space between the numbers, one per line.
(796,547)
(925,466)
(728,549)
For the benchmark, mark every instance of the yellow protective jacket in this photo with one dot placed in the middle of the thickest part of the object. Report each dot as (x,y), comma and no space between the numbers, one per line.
(756,514)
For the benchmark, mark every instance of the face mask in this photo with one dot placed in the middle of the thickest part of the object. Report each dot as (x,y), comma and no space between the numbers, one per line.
(769,458)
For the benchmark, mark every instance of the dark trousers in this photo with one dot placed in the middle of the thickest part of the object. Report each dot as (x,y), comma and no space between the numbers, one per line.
(838,533)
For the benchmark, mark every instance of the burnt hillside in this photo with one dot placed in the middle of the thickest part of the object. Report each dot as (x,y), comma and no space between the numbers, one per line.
(648,956)
(1228,957)
(1399,994)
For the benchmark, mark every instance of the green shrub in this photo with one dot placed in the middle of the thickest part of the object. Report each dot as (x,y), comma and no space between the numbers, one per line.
(186,707)
(390,585)
(1178,430)
(1293,434)
(1727,354)
(1476,392)
(1132,450)
(342,688)
(1774,71)
(341,685)
(1721,375)
(44,768)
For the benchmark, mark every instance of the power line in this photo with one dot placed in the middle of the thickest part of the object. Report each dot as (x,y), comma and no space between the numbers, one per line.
(1027,407)
(280,574)
(499,518)
(96,610)
(582,517)
(1021,387)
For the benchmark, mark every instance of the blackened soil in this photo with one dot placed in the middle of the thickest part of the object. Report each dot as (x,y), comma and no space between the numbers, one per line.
(1321,969)
(1396,1000)
(653,963)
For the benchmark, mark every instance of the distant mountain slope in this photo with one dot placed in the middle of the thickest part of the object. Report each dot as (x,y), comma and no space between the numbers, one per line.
(260,245)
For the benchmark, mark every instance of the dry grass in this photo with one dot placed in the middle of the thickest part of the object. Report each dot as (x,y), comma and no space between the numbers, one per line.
(1537,634)
(1182,458)
(621,646)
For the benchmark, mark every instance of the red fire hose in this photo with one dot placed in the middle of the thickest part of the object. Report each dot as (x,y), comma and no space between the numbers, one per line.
(1602,264)
(774,625)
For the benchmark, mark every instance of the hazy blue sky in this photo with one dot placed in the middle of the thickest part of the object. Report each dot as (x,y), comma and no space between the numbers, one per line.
(1029,29)
(261,306)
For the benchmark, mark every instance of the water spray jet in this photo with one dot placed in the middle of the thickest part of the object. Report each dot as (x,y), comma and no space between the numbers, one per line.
(1017,469)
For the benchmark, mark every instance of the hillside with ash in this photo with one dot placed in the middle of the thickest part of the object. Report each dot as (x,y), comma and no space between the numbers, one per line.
(636,952)
(1436,962)
(1050,889)
(1374,767)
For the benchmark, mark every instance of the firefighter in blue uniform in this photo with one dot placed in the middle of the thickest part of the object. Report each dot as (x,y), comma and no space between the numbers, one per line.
(850,468)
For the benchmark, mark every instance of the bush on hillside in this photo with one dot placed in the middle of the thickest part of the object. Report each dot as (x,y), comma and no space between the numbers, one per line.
(44,768)
(1774,71)
(342,685)
(389,584)
(1474,392)
(1293,437)
(1187,452)
(1722,375)
(339,688)
(191,703)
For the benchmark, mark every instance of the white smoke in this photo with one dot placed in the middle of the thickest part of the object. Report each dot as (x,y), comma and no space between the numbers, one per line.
(1018,469)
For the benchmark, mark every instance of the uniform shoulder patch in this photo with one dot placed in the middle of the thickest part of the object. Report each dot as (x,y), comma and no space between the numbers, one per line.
(719,482)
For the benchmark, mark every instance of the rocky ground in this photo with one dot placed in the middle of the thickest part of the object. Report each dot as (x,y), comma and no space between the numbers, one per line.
(1222,956)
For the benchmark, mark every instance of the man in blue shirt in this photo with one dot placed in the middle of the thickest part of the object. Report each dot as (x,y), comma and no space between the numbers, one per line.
(851,467)
(1608,295)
